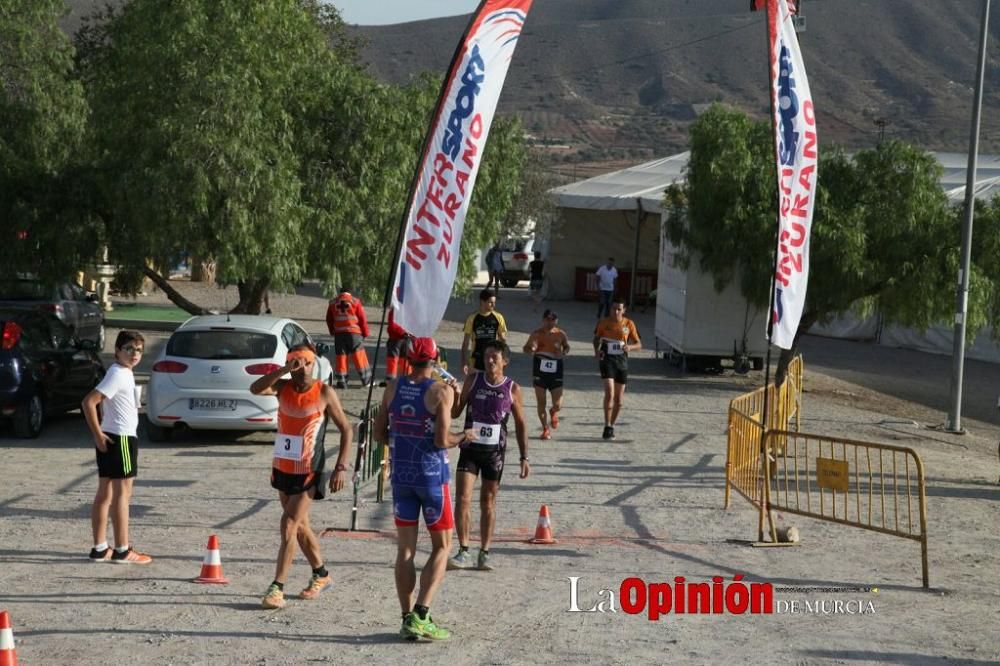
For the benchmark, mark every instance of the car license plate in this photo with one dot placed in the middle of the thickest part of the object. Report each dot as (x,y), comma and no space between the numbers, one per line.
(213,404)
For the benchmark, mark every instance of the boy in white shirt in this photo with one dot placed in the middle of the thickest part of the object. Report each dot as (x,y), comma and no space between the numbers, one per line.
(115,442)
(606,274)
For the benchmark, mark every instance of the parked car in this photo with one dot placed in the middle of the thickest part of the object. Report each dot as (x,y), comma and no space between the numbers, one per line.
(69,302)
(44,370)
(517,253)
(202,377)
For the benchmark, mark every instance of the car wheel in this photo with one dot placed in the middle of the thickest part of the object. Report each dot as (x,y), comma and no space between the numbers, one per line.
(28,418)
(157,433)
(510,283)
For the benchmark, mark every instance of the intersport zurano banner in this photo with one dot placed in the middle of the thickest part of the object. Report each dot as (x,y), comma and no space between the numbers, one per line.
(796,147)
(451,157)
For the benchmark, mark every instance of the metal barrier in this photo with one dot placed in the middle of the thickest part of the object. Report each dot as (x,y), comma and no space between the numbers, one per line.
(370,462)
(863,484)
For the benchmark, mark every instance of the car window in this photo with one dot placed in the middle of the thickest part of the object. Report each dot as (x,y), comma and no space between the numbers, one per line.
(222,345)
(65,292)
(24,290)
(77,292)
(299,336)
(35,334)
(513,244)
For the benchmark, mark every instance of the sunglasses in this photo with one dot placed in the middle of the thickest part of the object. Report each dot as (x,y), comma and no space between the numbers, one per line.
(129,349)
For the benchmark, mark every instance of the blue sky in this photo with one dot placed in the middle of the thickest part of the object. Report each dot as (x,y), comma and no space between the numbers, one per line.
(380,12)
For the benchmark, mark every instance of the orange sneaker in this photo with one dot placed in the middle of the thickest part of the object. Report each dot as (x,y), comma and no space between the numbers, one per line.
(546,433)
(130,556)
(316,585)
(554,418)
(274,598)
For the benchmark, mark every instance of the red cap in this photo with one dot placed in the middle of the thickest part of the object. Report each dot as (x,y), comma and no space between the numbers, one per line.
(422,350)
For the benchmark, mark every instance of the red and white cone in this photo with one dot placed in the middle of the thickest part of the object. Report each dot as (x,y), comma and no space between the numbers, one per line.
(543,531)
(211,566)
(8,654)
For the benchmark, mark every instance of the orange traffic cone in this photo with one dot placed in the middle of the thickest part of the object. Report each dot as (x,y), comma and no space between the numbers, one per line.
(543,532)
(8,654)
(211,566)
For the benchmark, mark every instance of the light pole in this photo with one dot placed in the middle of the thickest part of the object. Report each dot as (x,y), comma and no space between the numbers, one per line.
(954,422)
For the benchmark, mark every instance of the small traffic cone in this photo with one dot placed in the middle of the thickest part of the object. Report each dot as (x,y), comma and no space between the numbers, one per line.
(8,654)
(211,566)
(543,532)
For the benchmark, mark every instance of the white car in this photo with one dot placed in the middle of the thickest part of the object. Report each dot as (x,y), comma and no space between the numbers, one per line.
(202,377)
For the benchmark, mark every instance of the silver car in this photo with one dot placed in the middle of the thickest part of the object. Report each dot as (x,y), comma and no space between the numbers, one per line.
(202,377)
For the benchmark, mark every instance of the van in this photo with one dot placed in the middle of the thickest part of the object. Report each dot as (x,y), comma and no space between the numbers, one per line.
(517,253)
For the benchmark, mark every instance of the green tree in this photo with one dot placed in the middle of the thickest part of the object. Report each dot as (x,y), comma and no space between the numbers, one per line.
(250,133)
(42,117)
(884,237)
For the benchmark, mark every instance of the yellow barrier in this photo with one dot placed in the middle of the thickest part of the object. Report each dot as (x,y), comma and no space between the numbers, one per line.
(863,484)
(746,430)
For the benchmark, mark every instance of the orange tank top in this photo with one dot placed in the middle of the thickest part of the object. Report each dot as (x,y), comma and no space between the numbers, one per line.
(300,416)
(549,343)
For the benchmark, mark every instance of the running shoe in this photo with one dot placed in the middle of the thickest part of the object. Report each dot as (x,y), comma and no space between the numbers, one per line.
(414,627)
(404,631)
(611,432)
(316,585)
(100,555)
(554,418)
(274,598)
(130,556)
(483,562)
(608,432)
(340,384)
(546,433)
(461,561)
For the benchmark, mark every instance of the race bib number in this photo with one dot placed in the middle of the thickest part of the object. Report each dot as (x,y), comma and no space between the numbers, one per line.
(288,447)
(548,365)
(616,347)
(487,434)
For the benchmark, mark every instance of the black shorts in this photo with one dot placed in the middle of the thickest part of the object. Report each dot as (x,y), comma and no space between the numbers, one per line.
(121,460)
(477,362)
(547,380)
(616,368)
(295,484)
(489,460)
(345,343)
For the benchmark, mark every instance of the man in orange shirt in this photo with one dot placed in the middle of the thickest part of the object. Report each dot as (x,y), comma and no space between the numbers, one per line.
(548,345)
(304,405)
(614,338)
(347,323)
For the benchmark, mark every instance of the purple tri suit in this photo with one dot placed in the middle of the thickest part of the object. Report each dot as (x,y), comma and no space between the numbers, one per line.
(419,468)
(487,412)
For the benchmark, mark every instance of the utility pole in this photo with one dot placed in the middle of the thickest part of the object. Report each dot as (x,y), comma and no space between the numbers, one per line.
(954,422)
(881,123)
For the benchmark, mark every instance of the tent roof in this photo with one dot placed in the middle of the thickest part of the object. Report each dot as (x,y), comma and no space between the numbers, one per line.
(619,190)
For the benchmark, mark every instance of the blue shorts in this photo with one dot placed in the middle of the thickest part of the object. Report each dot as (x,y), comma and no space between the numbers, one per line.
(407,502)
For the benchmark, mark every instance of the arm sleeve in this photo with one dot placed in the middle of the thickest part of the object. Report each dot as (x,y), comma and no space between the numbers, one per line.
(359,310)
(111,383)
(329,317)
(502,328)
(468,325)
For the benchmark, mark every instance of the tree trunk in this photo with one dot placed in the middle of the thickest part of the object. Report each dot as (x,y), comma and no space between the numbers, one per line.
(251,296)
(786,356)
(174,295)
(202,270)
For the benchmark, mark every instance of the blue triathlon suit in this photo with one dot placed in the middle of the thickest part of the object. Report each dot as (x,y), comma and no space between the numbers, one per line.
(419,469)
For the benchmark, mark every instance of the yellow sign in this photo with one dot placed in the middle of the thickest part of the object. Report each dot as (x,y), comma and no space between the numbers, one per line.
(832,474)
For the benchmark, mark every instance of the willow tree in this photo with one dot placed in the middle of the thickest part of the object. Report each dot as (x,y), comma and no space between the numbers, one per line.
(249,132)
(884,237)
(45,230)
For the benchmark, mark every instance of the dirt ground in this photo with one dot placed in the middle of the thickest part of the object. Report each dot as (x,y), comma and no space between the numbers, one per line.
(648,505)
